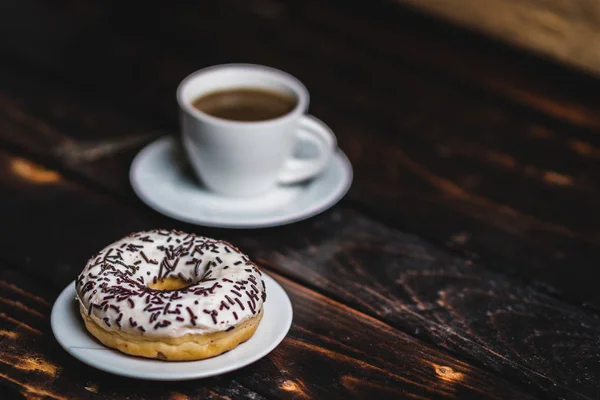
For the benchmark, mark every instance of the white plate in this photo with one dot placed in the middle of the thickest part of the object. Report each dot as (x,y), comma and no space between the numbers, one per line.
(160,177)
(69,330)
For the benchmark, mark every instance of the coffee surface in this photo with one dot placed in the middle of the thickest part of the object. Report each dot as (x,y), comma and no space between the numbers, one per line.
(245,104)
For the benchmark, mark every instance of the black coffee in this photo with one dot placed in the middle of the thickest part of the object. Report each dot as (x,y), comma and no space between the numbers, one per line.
(246,104)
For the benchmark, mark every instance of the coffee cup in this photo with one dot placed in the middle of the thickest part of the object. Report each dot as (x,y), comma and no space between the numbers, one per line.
(241,124)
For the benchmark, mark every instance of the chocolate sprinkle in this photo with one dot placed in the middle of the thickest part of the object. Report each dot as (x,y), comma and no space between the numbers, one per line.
(192,315)
(115,276)
(240,304)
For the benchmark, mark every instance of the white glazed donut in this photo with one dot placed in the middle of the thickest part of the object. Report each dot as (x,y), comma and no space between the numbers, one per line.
(171,295)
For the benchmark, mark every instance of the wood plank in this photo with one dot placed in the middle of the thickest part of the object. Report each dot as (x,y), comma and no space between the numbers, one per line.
(384,30)
(33,365)
(478,315)
(565,30)
(350,355)
(459,241)
(334,114)
(498,178)
(409,39)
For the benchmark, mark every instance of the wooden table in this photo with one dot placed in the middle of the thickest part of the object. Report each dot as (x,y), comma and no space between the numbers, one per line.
(459,266)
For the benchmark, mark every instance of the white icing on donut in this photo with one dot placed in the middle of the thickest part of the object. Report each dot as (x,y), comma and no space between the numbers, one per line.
(226,287)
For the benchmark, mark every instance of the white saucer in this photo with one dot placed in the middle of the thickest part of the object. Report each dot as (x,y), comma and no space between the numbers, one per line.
(161,178)
(72,335)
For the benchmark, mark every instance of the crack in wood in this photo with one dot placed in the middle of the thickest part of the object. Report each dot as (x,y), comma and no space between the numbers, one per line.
(21,324)
(31,389)
(16,289)
(21,306)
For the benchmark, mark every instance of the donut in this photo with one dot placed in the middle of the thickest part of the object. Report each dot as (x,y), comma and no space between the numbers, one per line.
(171,295)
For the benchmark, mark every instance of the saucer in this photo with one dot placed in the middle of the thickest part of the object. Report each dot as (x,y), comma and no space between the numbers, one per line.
(162,179)
(71,334)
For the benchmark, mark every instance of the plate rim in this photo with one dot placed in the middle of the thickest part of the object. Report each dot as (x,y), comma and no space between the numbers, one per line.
(128,373)
(333,198)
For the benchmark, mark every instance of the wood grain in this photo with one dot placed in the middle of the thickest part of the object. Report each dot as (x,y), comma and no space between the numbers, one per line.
(495,175)
(33,365)
(565,30)
(443,52)
(352,354)
(438,50)
(405,282)
(480,151)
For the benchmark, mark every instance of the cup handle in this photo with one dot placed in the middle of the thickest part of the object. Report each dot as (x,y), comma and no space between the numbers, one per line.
(315,131)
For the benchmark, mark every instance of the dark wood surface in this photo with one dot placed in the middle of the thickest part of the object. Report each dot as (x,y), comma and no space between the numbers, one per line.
(460,265)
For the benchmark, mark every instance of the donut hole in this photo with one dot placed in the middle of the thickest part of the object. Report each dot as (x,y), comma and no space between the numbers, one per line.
(170,283)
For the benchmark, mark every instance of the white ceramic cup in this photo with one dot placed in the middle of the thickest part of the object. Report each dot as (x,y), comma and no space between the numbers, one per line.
(236,158)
